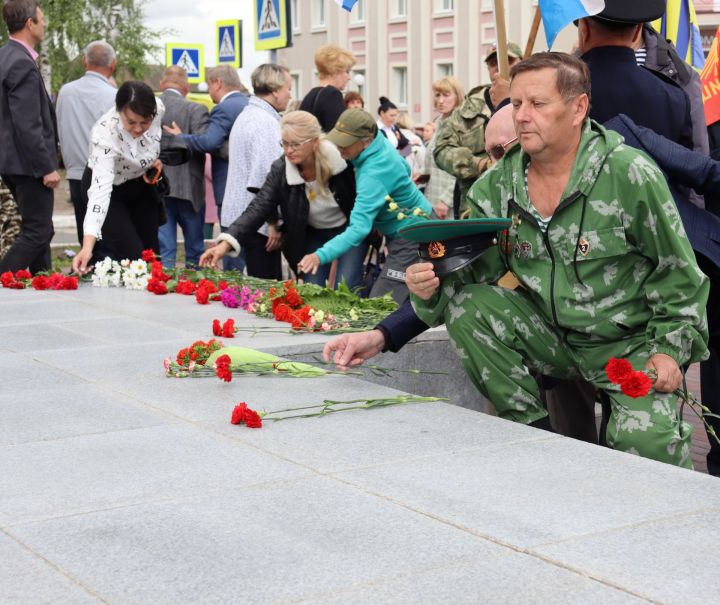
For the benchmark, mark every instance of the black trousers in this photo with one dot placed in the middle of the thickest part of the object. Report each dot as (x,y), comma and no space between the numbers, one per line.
(710,369)
(132,220)
(31,249)
(258,261)
(79,205)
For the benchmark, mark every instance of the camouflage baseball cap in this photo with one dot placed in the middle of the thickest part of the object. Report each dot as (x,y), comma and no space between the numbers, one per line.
(513,50)
(351,126)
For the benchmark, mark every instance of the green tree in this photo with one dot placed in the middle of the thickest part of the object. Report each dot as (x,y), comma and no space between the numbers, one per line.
(72,24)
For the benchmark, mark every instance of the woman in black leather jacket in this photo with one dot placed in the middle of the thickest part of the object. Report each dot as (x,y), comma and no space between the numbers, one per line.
(309,192)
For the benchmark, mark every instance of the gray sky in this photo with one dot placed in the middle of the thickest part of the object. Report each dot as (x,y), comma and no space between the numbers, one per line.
(194,22)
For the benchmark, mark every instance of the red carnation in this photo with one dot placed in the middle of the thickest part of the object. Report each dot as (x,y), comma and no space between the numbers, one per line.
(228,329)
(618,370)
(55,281)
(293,298)
(253,419)
(23,274)
(148,255)
(216,328)
(636,385)
(16,285)
(238,413)
(6,279)
(157,286)
(222,368)
(202,296)
(222,285)
(40,282)
(69,283)
(185,287)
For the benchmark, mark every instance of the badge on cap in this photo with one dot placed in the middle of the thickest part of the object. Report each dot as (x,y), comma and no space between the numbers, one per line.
(436,250)
(584,246)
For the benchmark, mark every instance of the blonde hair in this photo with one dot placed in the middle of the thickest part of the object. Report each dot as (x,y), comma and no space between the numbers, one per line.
(300,126)
(268,77)
(404,121)
(448,85)
(332,59)
(226,75)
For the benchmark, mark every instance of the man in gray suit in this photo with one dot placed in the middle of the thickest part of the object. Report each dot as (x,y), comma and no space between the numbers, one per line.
(28,139)
(186,204)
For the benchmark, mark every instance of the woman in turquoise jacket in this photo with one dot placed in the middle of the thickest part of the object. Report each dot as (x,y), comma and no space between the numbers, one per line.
(387,199)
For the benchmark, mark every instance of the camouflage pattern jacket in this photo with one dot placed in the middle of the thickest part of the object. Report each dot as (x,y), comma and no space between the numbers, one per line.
(615,263)
(460,142)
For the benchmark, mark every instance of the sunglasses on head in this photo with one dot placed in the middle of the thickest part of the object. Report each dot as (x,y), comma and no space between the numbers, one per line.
(498,151)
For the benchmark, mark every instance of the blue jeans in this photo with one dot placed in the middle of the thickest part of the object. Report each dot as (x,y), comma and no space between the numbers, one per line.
(350,264)
(181,212)
(230,263)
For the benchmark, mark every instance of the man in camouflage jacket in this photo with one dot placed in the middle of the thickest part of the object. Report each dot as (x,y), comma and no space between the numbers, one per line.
(606,269)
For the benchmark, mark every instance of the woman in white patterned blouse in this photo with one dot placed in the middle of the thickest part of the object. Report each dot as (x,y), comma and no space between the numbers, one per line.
(123,204)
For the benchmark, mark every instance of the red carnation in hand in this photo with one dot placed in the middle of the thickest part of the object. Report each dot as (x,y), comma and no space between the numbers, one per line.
(40,282)
(636,385)
(618,370)
(23,274)
(228,329)
(148,255)
(217,328)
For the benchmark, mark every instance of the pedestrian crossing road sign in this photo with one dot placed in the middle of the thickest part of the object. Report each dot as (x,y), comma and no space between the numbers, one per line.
(188,56)
(229,43)
(272,24)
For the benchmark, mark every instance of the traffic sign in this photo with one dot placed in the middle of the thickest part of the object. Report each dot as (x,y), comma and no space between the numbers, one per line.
(229,43)
(272,28)
(188,56)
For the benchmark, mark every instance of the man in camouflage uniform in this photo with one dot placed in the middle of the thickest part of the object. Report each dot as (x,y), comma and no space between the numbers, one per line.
(460,142)
(10,220)
(606,269)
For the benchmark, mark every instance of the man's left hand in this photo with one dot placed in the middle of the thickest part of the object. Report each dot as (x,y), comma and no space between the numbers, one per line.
(668,372)
(173,130)
(274,240)
(500,90)
(309,264)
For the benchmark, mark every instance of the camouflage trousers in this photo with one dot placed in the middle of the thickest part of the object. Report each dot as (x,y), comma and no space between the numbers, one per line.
(501,338)
(10,220)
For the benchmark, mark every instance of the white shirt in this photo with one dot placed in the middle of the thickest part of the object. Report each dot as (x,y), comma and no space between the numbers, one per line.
(390,135)
(115,158)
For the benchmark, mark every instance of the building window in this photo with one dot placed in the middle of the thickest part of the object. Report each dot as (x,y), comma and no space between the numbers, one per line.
(400,85)
(400,8)
(295,15)
(295,86)
(358,13)
(445,6)
(445,69)
(319,14)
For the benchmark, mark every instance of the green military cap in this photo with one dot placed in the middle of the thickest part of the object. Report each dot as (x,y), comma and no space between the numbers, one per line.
(513,50)
(351,126)
(451,245)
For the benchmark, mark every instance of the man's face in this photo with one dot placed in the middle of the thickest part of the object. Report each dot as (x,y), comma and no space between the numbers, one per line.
(352,151)
(492,65)
(544,121)
(283,94)
(36,26)
(500,134)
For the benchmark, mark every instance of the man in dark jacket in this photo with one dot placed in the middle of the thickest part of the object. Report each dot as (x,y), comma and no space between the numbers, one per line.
(28,137)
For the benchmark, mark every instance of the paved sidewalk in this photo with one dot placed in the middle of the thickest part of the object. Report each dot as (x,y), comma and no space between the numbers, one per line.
(118,485)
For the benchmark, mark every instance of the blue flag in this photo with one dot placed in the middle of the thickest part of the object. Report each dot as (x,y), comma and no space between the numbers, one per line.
(347,4)
(557,14)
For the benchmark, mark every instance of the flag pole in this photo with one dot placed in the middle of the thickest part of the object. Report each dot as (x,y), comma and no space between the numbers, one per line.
(501,36)
(534,28)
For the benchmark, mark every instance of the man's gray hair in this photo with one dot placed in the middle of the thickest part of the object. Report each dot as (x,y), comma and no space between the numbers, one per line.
(268,78)
(226,74)
(99,54)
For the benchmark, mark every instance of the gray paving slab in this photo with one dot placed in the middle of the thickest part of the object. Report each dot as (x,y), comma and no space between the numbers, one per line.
(509,492)
(20,373)
(90,472)
(41,310)
(668,560)
(267,544)
(517,578)
(46,337)
(27,578)
(74,410)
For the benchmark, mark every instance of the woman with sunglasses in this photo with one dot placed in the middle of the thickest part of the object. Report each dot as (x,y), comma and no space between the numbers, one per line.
(448,93)
(123,203)
(314,188)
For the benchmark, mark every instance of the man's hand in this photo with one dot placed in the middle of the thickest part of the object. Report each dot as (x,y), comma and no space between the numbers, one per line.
(421,280)
(211,257)
(441,210)
(309,264)
(158,166)
(668,372)
(274,238)
(51,180)
(173,130)
(499,90)
(352,349)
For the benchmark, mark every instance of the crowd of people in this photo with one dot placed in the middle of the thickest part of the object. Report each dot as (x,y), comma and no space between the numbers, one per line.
(600,160)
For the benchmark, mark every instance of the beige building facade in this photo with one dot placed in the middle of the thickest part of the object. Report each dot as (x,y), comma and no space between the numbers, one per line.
(402,46)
